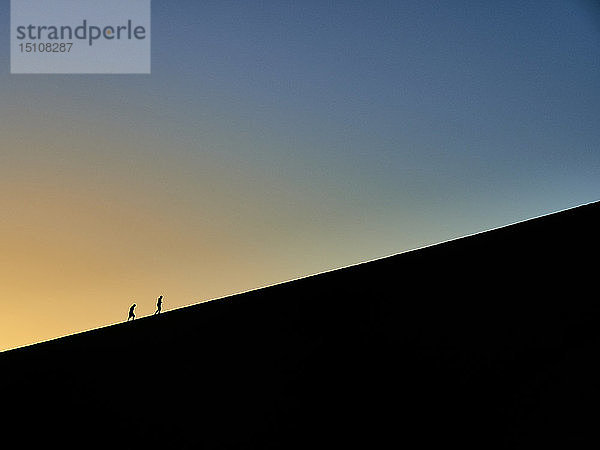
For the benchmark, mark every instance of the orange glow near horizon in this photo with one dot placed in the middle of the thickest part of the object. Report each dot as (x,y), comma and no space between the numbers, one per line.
(86,232)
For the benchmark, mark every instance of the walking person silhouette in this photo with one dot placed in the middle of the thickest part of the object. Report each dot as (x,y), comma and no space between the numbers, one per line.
(159,305)
(131,314)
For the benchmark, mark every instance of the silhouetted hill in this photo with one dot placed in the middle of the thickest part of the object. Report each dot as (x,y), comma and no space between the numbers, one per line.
(488,341)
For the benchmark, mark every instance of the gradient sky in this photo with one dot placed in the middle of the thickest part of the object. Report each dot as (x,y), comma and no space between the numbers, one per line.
(278,139)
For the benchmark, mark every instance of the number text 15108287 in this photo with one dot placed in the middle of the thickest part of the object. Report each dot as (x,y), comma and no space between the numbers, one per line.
(46,47)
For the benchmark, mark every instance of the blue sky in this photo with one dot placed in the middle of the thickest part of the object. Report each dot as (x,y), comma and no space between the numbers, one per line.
(276,139)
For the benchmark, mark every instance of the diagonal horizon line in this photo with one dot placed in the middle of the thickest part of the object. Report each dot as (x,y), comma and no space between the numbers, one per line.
(291,280)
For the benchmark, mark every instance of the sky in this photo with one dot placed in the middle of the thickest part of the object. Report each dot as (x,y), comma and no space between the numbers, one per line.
(278,139)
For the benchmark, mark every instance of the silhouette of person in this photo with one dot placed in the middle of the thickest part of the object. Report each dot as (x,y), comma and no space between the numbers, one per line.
(159,305)
(131,314)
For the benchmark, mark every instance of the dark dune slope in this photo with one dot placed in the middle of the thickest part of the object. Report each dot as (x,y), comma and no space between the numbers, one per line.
(489,341)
